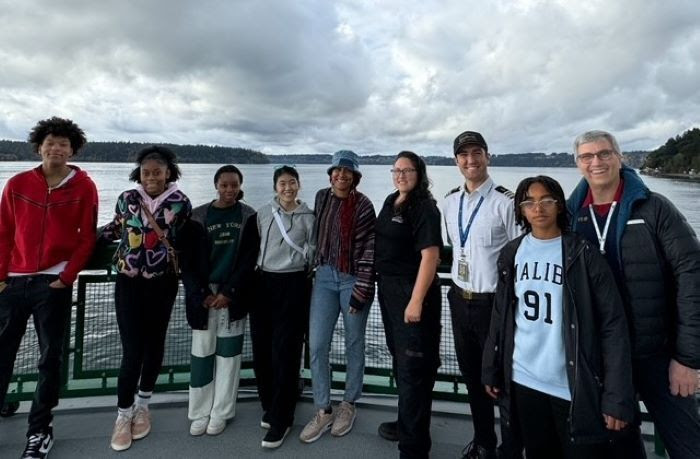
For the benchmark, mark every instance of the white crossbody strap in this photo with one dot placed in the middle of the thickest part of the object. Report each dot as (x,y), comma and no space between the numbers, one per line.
(286,237)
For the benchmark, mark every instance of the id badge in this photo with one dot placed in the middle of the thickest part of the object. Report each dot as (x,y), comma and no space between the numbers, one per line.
(463,269)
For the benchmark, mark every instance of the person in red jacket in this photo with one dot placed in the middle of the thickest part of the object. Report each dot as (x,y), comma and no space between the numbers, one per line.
(48,218)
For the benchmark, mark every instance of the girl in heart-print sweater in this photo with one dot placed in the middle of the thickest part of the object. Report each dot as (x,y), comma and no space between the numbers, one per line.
(146,283)
(140,253)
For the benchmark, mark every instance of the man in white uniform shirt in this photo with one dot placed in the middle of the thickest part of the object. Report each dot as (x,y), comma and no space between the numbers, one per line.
(480,220)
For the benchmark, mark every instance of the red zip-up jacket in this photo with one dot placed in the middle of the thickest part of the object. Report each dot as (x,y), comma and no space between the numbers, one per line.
(40,228)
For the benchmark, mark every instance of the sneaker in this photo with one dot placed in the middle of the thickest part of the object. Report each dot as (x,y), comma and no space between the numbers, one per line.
(316,427)
(474,451)
(344,419)
(389,430)
(121,436)
(140,423)
(199,426)
(265,422)
(216,426)
(39,445)
(274,437)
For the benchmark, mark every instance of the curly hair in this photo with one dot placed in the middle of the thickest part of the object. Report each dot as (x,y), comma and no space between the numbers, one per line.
(553,188)
(59,127)
(422,189)
(162,155)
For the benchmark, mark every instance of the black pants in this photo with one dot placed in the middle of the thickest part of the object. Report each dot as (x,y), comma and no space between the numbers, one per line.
(50,308)
(676,418)
(415,352)
(470,325)
(542,420)
(277,324)
(143,309)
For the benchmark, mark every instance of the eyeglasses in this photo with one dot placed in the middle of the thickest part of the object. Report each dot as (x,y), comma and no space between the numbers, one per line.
(280,166)
(546,204)
(587,158)
(397,172)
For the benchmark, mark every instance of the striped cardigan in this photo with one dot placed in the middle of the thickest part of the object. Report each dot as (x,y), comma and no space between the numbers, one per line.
(327,210)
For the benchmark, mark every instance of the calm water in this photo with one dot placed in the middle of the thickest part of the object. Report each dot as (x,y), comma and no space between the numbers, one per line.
(112,178)
(102,338)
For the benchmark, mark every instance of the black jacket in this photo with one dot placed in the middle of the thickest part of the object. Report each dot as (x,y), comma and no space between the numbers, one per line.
(194,266)
(596,345)
(660,258)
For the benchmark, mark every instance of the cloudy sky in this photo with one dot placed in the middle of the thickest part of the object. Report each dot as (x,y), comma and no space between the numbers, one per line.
(314,76)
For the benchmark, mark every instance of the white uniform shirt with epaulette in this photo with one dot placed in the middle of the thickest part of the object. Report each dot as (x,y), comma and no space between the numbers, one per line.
(493,226)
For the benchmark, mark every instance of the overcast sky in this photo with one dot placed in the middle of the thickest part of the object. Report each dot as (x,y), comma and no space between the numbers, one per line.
(305,76)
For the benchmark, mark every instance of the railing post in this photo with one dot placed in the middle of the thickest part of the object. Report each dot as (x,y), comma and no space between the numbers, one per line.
(66,347)
(659,447)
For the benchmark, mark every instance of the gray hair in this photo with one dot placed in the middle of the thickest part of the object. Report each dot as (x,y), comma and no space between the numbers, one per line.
(593,136)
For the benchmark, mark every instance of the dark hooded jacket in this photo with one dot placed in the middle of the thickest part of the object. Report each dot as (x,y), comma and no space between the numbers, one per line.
(194,261)
(660,258)
(596,347)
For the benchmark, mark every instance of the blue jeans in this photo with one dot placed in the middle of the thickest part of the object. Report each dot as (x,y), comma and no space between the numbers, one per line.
(331,296)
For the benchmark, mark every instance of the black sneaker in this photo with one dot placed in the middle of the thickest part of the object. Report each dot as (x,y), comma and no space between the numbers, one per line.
(389,430)
(274,437)
(265,421)
(474,451)
(39,445)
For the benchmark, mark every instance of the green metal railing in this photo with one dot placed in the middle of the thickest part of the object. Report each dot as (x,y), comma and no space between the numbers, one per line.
(92,350)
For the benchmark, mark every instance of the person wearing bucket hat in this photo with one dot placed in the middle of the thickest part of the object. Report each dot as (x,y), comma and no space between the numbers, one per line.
(344,284)
(346,159)
(480,220)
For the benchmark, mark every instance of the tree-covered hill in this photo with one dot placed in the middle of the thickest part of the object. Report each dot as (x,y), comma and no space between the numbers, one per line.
(126,152)
(679,155)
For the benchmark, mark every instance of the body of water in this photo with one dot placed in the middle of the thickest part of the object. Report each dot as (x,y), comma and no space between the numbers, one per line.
(197,182)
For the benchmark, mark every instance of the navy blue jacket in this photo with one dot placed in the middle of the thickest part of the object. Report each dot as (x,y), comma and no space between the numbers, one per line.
(660,258)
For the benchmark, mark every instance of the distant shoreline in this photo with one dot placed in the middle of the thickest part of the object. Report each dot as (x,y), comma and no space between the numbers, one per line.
(675,176)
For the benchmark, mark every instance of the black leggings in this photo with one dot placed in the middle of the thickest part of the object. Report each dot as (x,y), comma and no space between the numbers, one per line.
(143,309)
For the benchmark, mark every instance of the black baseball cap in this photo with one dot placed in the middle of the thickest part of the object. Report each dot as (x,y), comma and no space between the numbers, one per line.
(469,138)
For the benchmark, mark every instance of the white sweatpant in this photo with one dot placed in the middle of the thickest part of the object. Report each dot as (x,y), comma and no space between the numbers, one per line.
(216,365)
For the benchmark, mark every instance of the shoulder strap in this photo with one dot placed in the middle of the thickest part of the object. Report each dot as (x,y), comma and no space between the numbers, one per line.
(156,227)
(505,191)
(286,237)
(453,190)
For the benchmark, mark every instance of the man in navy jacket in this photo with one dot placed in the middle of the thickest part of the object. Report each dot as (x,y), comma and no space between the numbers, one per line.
(655,256)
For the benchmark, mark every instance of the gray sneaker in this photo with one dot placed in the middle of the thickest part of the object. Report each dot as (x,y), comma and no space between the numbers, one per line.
(344,419)
(316,427)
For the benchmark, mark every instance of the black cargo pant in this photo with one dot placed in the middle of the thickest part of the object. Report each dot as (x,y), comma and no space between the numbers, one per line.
(415,350)
(277,324)
(143,309)
(50,308)
(471,319)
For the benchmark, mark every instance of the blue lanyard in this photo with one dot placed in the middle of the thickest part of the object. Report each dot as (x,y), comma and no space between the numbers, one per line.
(464,232)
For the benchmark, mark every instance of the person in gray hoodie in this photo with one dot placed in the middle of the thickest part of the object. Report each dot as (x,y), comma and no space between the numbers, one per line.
(283,237)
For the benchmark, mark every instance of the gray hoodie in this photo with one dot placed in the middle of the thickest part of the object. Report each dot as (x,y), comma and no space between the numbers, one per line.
(275,254)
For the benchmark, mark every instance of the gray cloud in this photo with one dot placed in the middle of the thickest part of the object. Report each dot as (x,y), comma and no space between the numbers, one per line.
(313,76)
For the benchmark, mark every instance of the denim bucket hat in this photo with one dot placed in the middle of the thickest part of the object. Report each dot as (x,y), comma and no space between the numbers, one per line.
(347,159)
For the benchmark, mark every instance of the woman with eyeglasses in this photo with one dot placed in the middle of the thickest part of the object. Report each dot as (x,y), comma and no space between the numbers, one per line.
(280,246)
(558,356)
(215,310)
(407,250)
